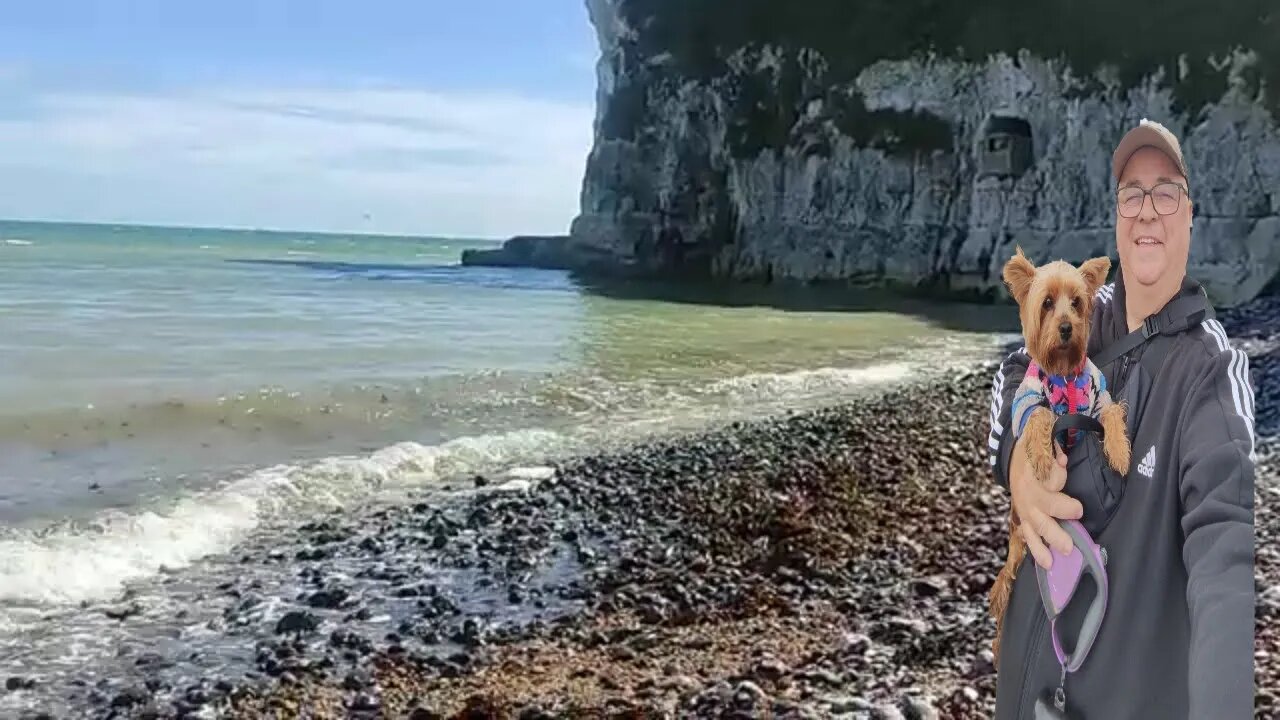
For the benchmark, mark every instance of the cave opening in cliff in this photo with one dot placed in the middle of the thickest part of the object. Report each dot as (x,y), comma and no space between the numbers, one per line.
(1005,150)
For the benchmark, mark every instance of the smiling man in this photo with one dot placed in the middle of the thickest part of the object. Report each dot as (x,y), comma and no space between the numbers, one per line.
(1176,633)
(1153,238)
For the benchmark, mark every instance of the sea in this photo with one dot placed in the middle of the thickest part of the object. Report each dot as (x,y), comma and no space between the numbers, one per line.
(170,394)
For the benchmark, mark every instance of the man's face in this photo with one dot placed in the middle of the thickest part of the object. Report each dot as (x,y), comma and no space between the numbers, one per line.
(1151,245)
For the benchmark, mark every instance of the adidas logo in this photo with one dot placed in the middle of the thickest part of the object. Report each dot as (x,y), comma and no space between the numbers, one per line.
(1148,465)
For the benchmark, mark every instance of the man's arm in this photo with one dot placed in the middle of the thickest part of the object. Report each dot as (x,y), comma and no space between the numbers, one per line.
(1215,482)
(1004,385)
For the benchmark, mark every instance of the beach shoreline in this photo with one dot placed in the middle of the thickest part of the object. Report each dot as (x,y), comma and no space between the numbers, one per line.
(817,563)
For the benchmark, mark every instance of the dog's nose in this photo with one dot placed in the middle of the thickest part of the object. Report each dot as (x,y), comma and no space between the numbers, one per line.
(1065,330)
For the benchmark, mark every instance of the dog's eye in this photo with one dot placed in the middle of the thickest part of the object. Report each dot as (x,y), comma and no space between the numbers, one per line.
(1048,303)
(1075,302)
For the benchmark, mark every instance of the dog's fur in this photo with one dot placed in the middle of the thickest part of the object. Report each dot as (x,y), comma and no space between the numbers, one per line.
(1049,296)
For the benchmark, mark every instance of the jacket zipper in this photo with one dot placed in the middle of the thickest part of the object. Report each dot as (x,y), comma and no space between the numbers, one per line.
(1124,369)
(1032,660)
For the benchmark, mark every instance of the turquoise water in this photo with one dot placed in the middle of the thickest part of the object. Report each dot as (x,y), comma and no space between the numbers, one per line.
(168,393)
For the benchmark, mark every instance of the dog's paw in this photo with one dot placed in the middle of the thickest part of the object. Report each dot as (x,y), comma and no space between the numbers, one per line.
(1041,465)
(1118,453)
(1039,434)
(1115,443)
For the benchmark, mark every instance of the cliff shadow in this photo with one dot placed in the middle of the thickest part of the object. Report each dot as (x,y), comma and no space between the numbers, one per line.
(960,315)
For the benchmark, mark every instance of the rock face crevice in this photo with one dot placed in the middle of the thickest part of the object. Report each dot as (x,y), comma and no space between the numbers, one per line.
(765,141)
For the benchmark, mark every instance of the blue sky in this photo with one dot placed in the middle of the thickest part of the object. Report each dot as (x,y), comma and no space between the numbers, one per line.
(453,118)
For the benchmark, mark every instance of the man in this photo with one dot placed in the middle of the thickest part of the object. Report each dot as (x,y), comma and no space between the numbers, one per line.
(1176,639)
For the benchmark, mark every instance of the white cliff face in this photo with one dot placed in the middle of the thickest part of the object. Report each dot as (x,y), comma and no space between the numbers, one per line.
(673,188)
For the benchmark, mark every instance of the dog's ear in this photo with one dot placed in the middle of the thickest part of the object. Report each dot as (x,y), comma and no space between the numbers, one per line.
(1095,273)
(1018,274)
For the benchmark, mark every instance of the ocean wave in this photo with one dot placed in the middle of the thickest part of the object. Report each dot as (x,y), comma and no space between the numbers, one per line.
(16,241)
(73,562)
(92,561)
(267,412)
(490,400)
(783,386)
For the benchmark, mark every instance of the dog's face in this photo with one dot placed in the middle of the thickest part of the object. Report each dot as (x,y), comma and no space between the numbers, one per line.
(1055,302)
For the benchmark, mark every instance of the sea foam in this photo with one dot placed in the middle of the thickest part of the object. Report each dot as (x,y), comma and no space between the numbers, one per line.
(94,560)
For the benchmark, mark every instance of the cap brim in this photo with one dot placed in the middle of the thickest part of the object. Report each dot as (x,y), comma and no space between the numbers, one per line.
(1140,137)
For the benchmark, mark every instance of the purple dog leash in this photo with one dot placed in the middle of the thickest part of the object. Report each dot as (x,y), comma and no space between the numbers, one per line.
(1057,585)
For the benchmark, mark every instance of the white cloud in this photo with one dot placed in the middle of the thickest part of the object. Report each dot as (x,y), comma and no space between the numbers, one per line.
(416,161)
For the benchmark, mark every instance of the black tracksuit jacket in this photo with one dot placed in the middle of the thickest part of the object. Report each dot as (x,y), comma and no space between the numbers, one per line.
(1177,637)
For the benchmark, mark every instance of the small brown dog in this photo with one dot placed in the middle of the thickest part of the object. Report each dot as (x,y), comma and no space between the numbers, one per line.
(1055,303)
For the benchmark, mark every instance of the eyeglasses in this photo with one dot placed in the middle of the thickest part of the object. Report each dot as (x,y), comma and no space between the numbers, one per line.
(1165,197)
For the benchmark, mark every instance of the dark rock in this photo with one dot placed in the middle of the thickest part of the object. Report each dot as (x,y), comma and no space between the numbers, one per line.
(16,683)
(768,669)
(130,697)
(329,599)
(622,652)
(556,252)
(855,644)
(313,554)
(298,622)
(153,661)
(471,633)
(196,695)
(848,704)
(408,591)
(928,587)
(748,694)
(123,612)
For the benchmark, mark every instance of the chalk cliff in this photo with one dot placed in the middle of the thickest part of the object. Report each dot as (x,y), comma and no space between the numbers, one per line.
(832,141)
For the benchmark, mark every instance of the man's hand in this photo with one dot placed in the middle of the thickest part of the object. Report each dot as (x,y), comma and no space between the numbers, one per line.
(1038,505)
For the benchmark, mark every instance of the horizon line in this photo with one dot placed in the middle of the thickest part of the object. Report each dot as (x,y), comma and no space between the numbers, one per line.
(259,230)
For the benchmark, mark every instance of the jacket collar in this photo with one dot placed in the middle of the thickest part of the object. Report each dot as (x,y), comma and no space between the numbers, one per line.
(1119,325)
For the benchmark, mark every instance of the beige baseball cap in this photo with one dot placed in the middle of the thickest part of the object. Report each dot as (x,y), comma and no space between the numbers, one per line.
(1148,132)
